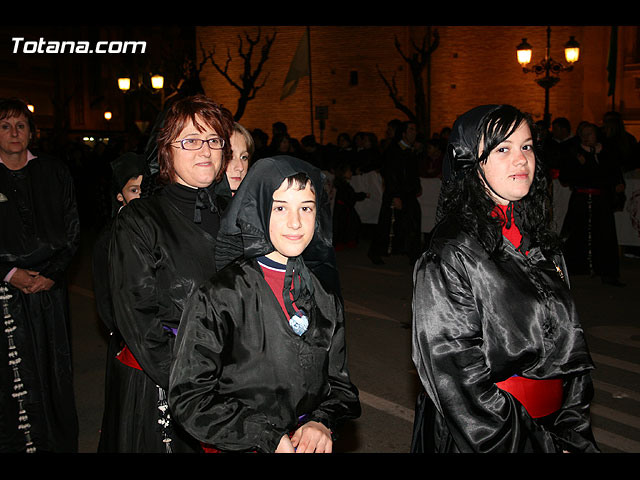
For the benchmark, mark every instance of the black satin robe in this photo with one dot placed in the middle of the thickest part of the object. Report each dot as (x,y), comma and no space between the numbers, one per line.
(158,256)
(242,378)
(479,320)
(39,230)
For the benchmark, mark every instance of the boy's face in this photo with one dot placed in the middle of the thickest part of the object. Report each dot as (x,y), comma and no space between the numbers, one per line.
(131,190)
(293,219)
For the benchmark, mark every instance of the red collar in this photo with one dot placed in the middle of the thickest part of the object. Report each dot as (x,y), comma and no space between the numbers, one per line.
(513,232)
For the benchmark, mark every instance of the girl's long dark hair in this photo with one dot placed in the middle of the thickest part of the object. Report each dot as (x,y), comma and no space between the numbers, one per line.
(465,196)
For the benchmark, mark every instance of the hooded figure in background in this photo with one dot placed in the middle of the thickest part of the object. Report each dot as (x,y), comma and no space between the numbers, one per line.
(497,342)
(126,182)
(260,351)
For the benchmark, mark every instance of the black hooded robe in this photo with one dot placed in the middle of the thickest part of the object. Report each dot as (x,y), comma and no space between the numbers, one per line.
(241,377)
(159,256)
(40,231)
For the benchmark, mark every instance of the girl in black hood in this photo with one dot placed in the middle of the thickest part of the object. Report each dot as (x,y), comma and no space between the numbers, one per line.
(261,352)
(496,338)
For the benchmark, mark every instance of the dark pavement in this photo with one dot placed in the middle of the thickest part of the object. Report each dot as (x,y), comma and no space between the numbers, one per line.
(378,309)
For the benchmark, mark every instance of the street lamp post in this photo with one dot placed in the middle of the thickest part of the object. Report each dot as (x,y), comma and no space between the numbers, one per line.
(157,84)
(548,69)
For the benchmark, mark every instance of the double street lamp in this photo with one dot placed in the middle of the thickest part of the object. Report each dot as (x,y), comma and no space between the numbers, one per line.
(548,69)
(157,82)
(157,86)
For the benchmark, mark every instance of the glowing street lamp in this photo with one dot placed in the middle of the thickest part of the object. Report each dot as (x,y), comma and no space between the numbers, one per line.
(548,69)
(524,52)
(124,83)
(572,50)
(157,82)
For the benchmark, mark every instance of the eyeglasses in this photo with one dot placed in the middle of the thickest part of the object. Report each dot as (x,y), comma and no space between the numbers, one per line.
(215,143)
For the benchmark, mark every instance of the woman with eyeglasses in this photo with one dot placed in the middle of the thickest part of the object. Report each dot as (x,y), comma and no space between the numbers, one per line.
(162,248)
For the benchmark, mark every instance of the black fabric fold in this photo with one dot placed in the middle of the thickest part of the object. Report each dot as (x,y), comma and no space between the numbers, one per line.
(478,320)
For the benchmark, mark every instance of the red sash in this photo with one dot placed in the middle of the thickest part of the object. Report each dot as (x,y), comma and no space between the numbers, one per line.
(126,357)
(539,397)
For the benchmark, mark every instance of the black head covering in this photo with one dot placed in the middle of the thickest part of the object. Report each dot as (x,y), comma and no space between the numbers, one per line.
(463,155)
(244,227)
(462,150)
(125,167)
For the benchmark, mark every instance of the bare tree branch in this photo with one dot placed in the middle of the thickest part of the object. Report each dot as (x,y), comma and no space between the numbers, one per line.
(393,93)
(418,59)
(248,85)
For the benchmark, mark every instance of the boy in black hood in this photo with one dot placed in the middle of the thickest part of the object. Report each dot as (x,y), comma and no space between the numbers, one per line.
(260,360)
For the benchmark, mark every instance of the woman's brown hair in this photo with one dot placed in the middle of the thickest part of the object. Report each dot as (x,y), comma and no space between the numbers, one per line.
(197,107)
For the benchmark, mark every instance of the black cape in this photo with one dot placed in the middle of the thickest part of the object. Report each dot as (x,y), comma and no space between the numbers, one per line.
(478,320)
(159,256)
(481,318)
(241,377)
(39,231)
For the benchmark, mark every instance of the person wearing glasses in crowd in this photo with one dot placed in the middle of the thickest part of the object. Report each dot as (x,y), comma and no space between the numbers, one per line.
(162,249)
(497,342)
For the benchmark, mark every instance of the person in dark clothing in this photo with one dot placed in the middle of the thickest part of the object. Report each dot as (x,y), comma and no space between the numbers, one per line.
(497,342)
(261,140)
(398,229)
(624,145)
(367,158)
(558,146)
(313,152)
(589,229)
(39,235)
(346,221)
(260,361)
(344,153)
(430,165)
(126,183)
(162,249)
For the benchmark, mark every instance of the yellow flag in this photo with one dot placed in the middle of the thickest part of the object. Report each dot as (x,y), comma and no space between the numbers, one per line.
(299,67)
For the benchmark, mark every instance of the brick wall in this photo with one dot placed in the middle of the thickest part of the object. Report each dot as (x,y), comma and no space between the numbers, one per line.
(473,65)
